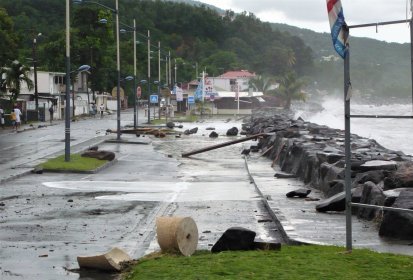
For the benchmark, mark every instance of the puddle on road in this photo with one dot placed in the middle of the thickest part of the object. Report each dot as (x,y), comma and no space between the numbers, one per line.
(164,191)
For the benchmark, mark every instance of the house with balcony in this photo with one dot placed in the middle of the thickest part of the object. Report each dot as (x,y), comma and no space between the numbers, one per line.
(51,88)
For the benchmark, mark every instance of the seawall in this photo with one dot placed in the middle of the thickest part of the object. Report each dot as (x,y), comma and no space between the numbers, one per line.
(315,154)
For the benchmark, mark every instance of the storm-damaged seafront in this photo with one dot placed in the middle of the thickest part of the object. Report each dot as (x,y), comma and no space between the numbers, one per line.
(311,156)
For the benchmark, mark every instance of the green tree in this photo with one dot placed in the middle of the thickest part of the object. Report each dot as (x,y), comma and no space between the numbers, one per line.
(291,88)
(220,62)
(8,38)
(14,76)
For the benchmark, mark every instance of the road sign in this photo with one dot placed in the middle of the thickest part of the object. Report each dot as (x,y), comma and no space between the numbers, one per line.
(154,99)
(138,92)
(191,100)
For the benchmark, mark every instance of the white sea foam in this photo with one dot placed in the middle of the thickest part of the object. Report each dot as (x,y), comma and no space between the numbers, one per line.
(395,134)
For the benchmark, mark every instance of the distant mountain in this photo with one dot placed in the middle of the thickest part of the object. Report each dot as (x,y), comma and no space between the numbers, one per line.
(361,48)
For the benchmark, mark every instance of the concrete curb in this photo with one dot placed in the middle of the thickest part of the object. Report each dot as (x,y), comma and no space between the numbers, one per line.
(106,165)
(279,220)
(12,177)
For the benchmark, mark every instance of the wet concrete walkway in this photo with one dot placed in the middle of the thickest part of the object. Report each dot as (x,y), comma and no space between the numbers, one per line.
(303,223)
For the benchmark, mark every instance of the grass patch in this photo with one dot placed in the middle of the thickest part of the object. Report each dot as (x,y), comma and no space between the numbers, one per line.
(292,262)
(76,163)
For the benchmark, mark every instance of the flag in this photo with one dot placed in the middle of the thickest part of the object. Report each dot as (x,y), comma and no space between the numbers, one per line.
(337,26)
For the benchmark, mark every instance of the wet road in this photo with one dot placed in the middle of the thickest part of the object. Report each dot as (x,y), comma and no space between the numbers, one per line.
(49,219)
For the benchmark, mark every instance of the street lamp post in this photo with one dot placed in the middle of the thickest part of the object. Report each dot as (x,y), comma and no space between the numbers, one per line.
(116,11)
(135,113)
(67,108)
(159,78)
(36,92)
(135,109)
(117,69)
(149,76)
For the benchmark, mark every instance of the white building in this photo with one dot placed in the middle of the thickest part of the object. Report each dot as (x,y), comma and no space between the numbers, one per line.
(51,88)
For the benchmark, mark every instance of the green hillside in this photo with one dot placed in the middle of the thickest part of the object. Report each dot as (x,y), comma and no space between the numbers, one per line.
(376,67)
(196,35)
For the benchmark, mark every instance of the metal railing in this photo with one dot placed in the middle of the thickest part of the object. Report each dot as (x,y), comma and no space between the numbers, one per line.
(348,116)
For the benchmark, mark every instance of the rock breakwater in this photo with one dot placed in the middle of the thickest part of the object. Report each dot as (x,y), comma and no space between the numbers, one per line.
(315,154)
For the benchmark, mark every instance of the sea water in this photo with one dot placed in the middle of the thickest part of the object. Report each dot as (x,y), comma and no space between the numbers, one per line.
(394,134)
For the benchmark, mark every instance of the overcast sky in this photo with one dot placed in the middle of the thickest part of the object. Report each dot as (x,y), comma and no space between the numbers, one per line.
(312,14)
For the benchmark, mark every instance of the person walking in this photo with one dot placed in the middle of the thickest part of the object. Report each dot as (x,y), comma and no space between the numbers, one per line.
(2,117)
(51,113)
(94,110)
(17,117)
(101,108)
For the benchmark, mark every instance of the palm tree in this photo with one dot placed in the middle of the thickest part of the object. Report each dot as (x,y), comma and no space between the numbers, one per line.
(290,88)
(12,79)
(261,83)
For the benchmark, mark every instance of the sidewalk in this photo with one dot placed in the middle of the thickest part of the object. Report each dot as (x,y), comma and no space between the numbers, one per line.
(303,224)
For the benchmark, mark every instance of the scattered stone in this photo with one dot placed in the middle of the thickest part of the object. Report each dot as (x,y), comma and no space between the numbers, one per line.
(70,200)
(245,152)
(193,130)
(180,126)
(232,131)
(37,170)
(300,193)
(210,128)
(213,134)
(94,148)
(282,175)
(265,221)
(170,125)
(235,239)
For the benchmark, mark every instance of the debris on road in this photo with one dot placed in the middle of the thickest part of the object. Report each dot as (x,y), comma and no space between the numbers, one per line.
(110,261)
(177,234)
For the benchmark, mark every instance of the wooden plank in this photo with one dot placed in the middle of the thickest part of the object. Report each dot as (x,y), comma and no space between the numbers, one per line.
(223,145)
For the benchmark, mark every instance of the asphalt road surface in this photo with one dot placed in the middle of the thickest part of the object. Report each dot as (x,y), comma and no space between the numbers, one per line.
(47,220)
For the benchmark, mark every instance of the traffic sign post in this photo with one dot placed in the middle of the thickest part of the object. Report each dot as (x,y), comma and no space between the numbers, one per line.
(191,100)
(154,98)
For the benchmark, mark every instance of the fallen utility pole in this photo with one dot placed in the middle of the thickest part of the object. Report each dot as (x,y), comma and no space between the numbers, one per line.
(223,144)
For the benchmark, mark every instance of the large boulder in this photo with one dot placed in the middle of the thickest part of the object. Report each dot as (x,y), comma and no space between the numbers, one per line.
(170,125)
(338,202)
(378,165)
(335,203)
(235,239)
(399,224)
(213,134)
(300,193)
(232,131)
(193,130)
(373,195)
